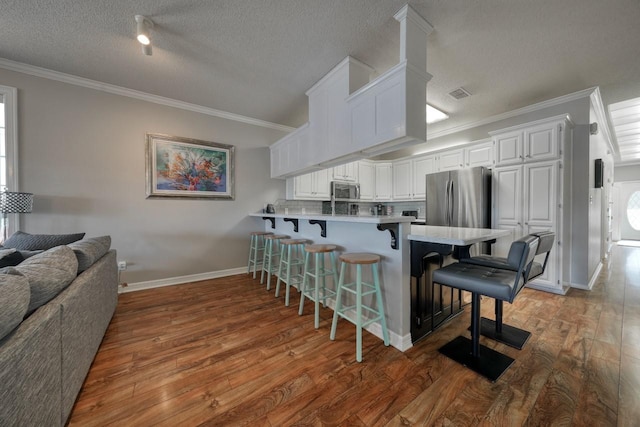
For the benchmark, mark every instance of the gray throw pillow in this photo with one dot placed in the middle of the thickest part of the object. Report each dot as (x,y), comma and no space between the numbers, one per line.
(49,273)
(14,302)
(31,242)
(90,250)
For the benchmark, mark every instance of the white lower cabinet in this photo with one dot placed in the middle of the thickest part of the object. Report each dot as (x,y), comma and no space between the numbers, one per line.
(526,200)
(384,180)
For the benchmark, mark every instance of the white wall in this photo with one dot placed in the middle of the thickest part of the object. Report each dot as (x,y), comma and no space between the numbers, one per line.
(82,154)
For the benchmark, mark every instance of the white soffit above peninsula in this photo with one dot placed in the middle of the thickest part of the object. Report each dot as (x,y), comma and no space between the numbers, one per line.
(625,118)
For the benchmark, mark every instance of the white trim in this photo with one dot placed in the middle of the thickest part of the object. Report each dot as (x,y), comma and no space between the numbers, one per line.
(592,281)
(559,118)
(131,93)
(509,114)
(10,100)
(171,281)
(601,114)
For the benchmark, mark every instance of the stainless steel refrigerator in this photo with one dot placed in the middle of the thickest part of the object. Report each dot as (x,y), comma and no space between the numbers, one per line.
(460,198)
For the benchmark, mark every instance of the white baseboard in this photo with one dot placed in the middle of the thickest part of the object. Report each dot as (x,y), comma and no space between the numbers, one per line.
(592,281)
(170,281)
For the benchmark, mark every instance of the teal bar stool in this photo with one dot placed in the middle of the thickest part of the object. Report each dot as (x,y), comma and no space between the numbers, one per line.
(291,263)
(318,292)
(256,245)
(360,290)
(271,255)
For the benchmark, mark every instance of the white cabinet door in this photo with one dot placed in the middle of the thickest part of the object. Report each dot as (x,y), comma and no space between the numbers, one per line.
(421,167)
(507,193)
(541,211)
(322,184)
(402,189)
(508,148)
(314,185)
(347,172)
(479,155)
(541,142)
(303,186)
(367,180)
(451,160)
(384,181)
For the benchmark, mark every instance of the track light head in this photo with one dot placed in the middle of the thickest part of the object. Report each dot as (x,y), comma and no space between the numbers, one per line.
(143,26)
(146,49)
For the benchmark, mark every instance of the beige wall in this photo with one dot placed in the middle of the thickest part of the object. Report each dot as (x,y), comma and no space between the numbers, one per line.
(82,154)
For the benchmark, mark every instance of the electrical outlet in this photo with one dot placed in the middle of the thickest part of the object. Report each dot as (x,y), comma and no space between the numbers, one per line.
(122,265)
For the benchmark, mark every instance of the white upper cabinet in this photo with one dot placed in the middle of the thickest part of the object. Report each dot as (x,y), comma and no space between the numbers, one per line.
(367,179)
(384,181)
(480,154)
(532,142)
(451,160)
(310,186)
(290,151)
(346,172)
(402,180)
(421,167)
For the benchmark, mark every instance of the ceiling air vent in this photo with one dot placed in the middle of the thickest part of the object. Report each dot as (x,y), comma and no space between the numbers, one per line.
(459,93)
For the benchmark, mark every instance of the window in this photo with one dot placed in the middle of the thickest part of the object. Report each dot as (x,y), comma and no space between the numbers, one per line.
(633,210)
(9,148)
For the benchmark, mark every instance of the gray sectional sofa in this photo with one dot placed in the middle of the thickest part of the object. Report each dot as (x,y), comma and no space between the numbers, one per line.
(45,358)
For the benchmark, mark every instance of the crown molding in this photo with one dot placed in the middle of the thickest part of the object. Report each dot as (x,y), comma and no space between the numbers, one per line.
(131,93)
(509,114)
(603,119)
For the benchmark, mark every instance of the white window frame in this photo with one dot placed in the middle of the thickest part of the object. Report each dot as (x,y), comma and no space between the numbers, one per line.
(10,100)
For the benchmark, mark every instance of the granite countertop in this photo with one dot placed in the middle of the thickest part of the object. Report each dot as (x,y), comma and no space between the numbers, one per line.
(363,219)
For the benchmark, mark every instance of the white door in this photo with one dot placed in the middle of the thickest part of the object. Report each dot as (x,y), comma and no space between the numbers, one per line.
(384,181)
(629,211)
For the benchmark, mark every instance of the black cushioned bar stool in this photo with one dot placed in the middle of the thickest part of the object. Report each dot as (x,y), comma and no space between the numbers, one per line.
(496,330)
(501,284)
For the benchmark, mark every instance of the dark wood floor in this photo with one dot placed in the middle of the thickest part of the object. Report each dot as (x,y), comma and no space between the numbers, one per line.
(226,352)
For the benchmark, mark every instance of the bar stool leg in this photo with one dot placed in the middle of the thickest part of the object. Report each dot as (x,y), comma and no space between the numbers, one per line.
(267,250)
(334,323)
(251,244)
(319,265)
(282,261)
(383,320)
(359,313)
(304,283)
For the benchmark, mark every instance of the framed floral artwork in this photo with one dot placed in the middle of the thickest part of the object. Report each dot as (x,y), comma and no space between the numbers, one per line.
(189,168)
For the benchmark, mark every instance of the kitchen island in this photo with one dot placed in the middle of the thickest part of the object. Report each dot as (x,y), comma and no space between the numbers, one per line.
(387,236)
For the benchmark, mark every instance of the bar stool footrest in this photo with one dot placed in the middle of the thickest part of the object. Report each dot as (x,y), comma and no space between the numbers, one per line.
(490,364)
(510,335)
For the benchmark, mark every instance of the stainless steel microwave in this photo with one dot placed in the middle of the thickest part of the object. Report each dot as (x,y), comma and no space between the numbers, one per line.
(345,190)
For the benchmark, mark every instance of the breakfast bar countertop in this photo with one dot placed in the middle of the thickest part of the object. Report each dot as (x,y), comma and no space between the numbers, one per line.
(460,236)
(362,219)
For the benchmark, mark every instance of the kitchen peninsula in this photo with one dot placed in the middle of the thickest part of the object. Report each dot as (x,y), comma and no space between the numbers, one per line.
(387,236)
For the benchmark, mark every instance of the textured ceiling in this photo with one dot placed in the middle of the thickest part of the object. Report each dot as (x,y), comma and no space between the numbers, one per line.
(258,57)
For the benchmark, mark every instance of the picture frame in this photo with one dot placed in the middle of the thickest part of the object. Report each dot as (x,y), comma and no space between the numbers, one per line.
(188,168)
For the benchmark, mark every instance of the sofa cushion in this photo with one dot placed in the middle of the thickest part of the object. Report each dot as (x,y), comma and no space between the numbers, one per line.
(90,250)
(10,257)
(14,302)
(48,273)
(31,242)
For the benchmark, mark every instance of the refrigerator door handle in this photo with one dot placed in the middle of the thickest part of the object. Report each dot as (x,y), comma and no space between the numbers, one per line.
(452,203)
(446,203)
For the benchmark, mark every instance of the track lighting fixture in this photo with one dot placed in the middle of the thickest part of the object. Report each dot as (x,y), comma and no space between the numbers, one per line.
(143,28)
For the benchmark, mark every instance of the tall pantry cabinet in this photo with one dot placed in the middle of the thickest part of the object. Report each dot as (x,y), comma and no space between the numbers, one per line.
(528,189)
